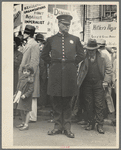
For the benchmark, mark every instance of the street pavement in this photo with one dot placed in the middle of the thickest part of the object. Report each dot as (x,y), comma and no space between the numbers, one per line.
(37,136)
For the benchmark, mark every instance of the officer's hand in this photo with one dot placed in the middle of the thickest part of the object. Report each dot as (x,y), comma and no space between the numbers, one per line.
(23,96)
(105,85)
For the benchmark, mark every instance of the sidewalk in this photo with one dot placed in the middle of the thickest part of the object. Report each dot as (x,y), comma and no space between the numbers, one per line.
(37,136)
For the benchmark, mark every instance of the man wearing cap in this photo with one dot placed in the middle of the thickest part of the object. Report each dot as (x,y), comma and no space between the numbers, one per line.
(66,52)
(94,76)
(43,73)
(31,57)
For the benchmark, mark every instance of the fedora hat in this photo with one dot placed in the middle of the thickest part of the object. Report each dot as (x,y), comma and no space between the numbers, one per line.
(101,42)
(65,19)
(29,29)
(91,44)
(39,37)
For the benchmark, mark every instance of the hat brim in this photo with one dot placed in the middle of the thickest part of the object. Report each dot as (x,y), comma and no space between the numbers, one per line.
(101,44)
(91,48)
(65,22)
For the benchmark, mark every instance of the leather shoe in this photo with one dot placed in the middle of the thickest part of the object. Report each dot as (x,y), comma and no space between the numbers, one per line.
(30,121)
(90,127)
(68,133)
(100,129)
(54,132)
(20,125)
(24,128)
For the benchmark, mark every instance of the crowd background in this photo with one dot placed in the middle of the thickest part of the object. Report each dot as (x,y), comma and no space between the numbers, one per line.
(87,14)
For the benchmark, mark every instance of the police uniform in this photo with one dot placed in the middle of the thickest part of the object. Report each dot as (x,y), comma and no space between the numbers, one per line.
(66,52)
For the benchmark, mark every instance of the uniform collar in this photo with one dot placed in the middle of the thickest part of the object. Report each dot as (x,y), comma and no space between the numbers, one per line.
(60,34)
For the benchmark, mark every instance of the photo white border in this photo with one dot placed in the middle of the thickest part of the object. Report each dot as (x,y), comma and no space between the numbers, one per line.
(7,74)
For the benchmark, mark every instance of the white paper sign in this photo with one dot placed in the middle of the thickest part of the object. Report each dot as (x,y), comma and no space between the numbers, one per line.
(105,30)
(35,15)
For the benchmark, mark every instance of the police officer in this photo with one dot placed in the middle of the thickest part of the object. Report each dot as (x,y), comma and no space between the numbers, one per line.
(66,52)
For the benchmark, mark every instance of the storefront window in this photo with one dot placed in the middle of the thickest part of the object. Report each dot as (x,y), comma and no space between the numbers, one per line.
(109,12)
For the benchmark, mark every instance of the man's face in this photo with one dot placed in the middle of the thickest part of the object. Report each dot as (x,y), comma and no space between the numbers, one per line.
(25,36)
(92,53)
(64,28)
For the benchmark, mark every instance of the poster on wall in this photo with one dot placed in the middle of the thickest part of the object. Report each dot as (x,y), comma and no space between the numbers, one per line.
(17,22)
(105,30)
(35,15)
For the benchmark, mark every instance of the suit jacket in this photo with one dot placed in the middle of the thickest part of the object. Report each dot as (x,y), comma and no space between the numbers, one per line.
(105,69)
(63,53)
(31,56)
(104,65)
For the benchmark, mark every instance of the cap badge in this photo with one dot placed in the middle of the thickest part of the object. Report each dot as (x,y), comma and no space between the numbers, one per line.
(71,41)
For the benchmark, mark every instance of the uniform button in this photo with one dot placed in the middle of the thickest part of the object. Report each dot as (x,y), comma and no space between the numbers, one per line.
(63,50)
(62,46)
(63,56)
(63,59)
(62,43)
(63,53)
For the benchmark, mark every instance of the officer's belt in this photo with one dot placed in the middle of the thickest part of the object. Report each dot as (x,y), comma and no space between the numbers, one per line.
(62,60)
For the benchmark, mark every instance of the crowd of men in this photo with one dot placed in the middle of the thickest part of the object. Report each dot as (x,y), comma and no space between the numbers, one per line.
(78,78)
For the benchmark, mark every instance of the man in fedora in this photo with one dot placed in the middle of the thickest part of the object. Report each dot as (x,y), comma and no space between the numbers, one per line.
(94,76)
(31,57)
(66,52)
(102,48)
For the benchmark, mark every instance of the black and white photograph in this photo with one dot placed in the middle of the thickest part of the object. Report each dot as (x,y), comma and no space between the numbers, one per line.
(60,75)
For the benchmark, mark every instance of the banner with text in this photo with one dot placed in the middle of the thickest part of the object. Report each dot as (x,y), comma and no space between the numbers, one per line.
(35,15)
(17,15)
(105,30)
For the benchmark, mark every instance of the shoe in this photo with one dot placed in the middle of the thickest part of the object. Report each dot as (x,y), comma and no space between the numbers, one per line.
(30,121)
(24,128)
(100,129)
(82,122)
(90,126)
(54,132)
(20,125)
(51,121)
(69,134)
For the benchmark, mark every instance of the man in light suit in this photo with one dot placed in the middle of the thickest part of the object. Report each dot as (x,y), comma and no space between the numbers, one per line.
(31,56)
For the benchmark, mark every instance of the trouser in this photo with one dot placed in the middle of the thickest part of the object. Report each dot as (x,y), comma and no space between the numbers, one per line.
(62,112)
(33,113)
(94,101)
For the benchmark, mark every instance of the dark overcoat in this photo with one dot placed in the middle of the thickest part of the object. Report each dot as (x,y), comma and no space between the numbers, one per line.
(17,61)
(66,53)
(105,68)
(26,86)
